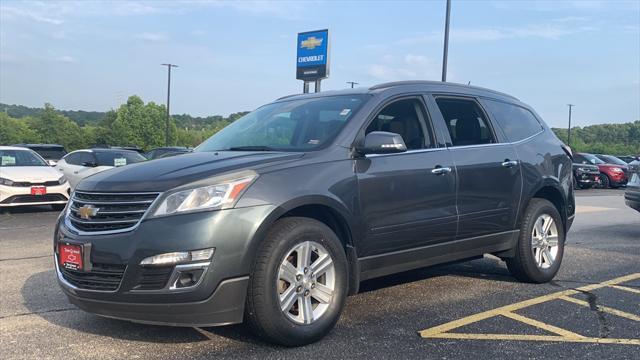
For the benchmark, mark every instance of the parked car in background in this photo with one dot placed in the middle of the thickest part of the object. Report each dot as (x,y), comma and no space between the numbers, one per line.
(166,152)
(632,195)
(79,164)
(585,176)
(611,175)
(277,218)
(629,158)
(50,152)
(610,159)
(27,179)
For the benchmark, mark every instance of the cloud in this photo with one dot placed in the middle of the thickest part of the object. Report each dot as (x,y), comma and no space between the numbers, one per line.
(152,36)
(34,14)
(66,59)
(410,66)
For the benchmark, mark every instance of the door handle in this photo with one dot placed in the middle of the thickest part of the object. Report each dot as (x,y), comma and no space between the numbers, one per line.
(438,170)
(510,163)
(75,172)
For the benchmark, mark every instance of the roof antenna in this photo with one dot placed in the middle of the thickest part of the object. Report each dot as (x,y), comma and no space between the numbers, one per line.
(469,83)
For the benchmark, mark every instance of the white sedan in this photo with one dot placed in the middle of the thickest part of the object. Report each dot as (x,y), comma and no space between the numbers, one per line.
(27,179)
(79,164)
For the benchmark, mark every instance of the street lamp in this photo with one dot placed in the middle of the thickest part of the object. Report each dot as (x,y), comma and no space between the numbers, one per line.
(352,83)
(166,130)
(569,129)
(445,53)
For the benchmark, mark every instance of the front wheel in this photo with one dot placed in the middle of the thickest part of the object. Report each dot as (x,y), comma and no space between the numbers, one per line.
(540,244)
(605,183)
(298,284)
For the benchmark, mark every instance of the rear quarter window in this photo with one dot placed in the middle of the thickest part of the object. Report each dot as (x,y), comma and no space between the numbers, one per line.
(517,122)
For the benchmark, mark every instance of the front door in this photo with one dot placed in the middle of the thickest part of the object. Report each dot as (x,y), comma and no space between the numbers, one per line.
(404,201)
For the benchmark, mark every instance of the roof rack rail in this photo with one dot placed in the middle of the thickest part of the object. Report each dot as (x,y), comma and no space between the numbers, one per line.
(431,82)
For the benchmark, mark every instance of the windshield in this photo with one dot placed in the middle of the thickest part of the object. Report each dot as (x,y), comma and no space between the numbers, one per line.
(593,159)
(50,153)
(117,158)
(20,158)
(296,125)
(612,160)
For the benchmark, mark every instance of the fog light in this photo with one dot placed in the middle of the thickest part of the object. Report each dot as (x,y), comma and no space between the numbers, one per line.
(188,278)
(178,257)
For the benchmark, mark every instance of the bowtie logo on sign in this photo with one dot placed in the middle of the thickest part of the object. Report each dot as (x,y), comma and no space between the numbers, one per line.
(311,43)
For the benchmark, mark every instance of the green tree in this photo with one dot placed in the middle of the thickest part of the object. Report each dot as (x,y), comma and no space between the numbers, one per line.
(14,131)
(140,124)
(53,127)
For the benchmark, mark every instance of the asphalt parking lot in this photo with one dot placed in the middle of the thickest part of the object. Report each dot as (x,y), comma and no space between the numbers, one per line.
(466,310)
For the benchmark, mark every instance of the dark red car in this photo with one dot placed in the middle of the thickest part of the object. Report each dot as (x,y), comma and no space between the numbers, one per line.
(611,175)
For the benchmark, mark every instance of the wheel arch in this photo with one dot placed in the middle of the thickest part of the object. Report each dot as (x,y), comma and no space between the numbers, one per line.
(327,210)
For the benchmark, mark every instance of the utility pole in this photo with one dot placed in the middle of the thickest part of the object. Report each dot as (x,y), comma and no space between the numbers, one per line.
(352,83)
(569,129)
(166,130)
(446,42)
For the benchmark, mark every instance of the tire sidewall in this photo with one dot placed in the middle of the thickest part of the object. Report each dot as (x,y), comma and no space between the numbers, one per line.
(306,230)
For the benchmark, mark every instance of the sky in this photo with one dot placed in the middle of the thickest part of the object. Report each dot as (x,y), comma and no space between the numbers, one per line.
(236,56)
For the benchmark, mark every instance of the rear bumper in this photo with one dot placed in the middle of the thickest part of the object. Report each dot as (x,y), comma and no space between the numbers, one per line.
(224,307)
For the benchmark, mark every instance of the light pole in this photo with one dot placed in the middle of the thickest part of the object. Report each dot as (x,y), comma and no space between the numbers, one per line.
(352,83)
(166,130)
(446,42)
(569,128)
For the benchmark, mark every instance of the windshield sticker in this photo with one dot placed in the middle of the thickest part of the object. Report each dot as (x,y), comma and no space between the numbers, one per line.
(119,162)
(313,142)
(345,112)
(8,160)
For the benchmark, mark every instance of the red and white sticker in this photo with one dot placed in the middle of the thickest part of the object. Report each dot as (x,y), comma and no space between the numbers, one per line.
(70,256)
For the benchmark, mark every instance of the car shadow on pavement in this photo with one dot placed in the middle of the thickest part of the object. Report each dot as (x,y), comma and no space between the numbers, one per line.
(27,209)
(43,297)
(487,269)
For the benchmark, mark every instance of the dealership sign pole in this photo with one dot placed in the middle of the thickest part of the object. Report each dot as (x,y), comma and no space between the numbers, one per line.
(312,60)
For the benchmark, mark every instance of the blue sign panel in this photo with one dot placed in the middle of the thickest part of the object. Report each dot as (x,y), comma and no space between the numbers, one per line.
(312,61)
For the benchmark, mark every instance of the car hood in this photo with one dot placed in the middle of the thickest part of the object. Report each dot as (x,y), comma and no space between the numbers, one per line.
(34,174)
(168,173)
(585,166)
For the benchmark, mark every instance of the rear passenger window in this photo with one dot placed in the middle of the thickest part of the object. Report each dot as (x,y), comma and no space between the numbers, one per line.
(517,122)
(73,159)
(466,122)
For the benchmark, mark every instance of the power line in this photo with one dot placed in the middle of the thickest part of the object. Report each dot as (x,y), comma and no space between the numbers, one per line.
(166,130)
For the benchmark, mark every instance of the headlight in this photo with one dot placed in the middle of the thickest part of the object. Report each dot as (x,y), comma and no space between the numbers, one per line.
(6,182)
(209,197)
(62,180)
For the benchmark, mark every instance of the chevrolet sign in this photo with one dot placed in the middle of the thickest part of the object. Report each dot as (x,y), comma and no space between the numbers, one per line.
(312,61)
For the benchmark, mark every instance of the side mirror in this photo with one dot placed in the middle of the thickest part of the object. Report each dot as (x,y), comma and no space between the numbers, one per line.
(89,164)
(382,142)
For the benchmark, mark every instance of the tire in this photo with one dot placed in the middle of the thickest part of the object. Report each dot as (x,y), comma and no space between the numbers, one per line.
(263,311)
(605,183)
(576,186)
(526,266)
(58,207)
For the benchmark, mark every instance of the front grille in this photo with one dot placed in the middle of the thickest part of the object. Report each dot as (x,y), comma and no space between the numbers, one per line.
(102,277)
(153,278)
(21,199)
(29,184)
(115,211)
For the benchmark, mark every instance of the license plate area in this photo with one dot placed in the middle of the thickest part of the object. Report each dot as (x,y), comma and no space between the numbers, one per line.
(70,257)
(38,190)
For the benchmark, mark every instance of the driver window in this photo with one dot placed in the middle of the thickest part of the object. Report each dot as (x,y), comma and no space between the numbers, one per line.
(405,118)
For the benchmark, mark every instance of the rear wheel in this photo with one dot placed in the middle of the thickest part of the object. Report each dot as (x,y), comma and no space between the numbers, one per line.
(298,284)
(540,244)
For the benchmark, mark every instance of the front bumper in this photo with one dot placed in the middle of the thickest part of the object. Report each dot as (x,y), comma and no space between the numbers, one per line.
(21,196)
(217,299)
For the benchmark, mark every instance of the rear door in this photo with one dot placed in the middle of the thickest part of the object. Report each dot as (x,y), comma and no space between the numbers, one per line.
(489,179)
(405,203)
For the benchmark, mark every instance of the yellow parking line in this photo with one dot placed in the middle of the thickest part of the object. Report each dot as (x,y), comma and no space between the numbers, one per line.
(544,326)
(625,288)
(441,331)
(458,336)
(603,308)
(583,209)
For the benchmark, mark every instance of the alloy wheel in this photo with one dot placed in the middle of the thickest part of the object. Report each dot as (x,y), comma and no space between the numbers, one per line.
(306,282)
(544,241)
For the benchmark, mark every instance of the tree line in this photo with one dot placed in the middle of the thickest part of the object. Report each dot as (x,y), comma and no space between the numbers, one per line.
(143,125)
(132,124)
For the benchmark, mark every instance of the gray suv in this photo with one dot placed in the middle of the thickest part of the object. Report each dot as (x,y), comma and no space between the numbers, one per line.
(277,218)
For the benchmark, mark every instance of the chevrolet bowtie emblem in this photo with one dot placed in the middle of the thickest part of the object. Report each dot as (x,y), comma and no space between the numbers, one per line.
(88,211)
(311,43)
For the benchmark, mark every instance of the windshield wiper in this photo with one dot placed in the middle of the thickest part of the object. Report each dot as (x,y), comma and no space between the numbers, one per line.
(250,148)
